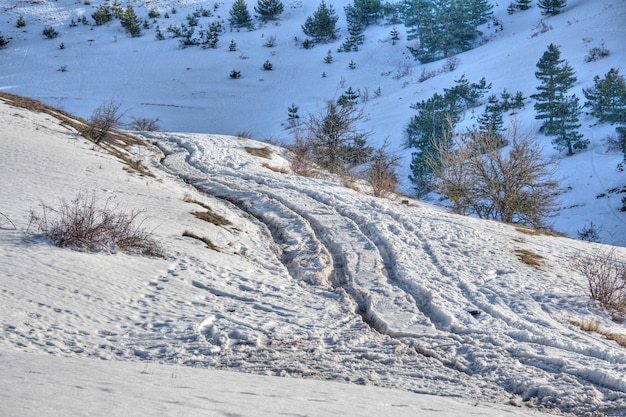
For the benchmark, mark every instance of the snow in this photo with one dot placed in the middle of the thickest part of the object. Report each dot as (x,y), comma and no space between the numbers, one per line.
(361,305)
(189,90)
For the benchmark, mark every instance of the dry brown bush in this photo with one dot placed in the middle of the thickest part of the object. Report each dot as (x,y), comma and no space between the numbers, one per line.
(82,224)
(606,279)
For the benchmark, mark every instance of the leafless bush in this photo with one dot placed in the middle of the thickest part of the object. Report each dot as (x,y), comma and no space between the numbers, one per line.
(105,117)
(381,173)
(541,27)
(426,75)
(451,64)
(4,220)
(596,53)
(144,124)
(480,177)
(606,279)
(81,224)
(301,161)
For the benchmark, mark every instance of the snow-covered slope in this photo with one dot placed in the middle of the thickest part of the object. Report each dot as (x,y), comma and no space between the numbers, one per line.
(189,90)
(310,280)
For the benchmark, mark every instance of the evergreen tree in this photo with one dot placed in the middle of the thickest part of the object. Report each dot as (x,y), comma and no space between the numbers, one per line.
(558,111)
(567,136)
(131,22)
(3,42)
(328,59)
(523,4)
(322,26)
(444,27)
(239,15)
(292,114)
(349,98)
(269,10)
(102,15)
(355,30)
(367,11)
(607,97)
(551,7)
(491,122)
(395,35)
(335,138)
(426,131)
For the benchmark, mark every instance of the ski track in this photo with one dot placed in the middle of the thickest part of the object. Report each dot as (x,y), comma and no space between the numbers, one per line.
(338,242)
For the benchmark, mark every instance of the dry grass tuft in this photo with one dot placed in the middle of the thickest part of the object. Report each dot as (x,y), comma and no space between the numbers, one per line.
(529,258)
(117,143)
(209,215)
(594,326)
(204,240)
(537,232)
(276,169)
(264,152)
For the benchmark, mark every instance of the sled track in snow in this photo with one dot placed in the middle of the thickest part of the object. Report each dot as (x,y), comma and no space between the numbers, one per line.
(328,242)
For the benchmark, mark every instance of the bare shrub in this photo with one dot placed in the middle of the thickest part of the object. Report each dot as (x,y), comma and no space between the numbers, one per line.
(4,219)
(541,27)
(301,161)
(513,184)
(82,224)
(144,124)
(381,173)
(606,279)
(105,117)
(596,53)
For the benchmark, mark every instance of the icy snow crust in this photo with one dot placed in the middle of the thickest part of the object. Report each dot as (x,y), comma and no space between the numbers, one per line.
(312,280)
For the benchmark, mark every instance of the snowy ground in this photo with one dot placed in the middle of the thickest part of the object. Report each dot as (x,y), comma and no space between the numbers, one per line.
(189,89)
(311,280)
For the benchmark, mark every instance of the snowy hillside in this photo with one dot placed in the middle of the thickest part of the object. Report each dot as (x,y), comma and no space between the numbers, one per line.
(189,89)
(307,280)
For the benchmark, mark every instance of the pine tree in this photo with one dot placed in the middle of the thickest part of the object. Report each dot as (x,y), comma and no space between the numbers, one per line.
(239,15)
(523,4)
(491,121)
(395,35)
(3,42)
(558,111)
(131,22)
(328,59)
(355,30)
(444,27)
(551,7)
(322,26)
(607,97)
(367,11)
(432,125)
(269,10)
(336,140)
(567,136)
(349,98)
(292,114)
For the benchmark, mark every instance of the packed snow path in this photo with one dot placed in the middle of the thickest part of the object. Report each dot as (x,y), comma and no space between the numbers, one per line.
(451,290)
